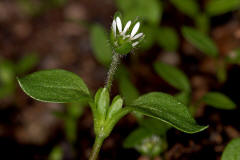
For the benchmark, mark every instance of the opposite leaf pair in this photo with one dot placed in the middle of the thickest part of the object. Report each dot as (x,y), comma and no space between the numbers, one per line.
(61,86)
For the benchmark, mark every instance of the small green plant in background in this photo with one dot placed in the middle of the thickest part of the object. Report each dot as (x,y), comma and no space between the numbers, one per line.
(60,86)
(149,138)
(9,70)
(198,35)
(176,78)
(207,46)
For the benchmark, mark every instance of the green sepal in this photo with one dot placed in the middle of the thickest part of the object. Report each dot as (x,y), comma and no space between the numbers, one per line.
(115,107)
(117,14)
(96,98)
(102,100)
(124,48)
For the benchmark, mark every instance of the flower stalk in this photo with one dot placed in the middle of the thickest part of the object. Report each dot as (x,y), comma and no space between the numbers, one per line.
(96,148)
(113,67)
(123,41)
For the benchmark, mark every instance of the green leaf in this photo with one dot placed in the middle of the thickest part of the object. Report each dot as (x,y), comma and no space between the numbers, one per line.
(218,7)
(218,100)
(55,85)
(135,138)
(127,89)
(26,63)
(173,76)
(188,7)
(231,152)
(167,109)
(101,48)
(150,10)
(200,41)
(167,38)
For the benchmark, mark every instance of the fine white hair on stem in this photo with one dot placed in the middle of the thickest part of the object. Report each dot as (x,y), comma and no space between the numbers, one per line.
(137,36)
(119,24)
(114,27)
(126,27)
(135,29)
(135,43)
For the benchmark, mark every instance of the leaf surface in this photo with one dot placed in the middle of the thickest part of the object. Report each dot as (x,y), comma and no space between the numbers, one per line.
(167,109)
(56,85)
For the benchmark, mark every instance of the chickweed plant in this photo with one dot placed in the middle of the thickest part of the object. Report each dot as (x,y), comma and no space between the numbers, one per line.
(60,86)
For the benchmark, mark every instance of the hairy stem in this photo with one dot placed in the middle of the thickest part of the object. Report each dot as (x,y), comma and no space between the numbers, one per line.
(112,70)
(96,148)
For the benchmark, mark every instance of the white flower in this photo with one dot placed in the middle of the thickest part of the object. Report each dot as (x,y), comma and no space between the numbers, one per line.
(118,30)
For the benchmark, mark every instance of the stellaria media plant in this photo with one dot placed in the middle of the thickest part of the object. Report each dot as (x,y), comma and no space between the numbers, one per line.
(60,86)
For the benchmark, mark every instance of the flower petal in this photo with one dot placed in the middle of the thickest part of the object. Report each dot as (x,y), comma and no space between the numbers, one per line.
(126,27)
(114,27)
(135,29)
(137,36)
(119,24)
(135,43)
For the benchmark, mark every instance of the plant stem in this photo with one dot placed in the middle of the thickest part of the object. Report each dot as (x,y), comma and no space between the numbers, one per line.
(112,70)
(96,148)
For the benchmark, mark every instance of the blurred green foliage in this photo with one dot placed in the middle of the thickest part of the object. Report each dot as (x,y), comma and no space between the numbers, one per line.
(218,100)
(38,7)
(188,7)
(126,87)
(200,41)
(148,139)
(218,7)
(150,10)
(173,76)
(101,49)
(167,38)
(56,153)
(9,70)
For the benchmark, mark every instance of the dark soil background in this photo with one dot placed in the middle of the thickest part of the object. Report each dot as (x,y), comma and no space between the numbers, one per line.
(29,130)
